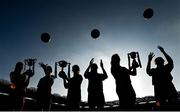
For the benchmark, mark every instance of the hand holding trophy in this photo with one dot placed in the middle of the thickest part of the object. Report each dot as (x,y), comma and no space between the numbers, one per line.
(62,64)
(133,56)
(30,62)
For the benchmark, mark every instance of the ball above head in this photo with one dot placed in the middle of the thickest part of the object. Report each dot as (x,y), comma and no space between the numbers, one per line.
(45,37)
(148,13)
(95,33)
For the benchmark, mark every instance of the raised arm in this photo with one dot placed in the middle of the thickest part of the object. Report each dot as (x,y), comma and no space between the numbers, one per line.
(44,67)
(132,69)
(66,84)
(148,68)
(168,58)
(12,78)
(104,72)
(87,70)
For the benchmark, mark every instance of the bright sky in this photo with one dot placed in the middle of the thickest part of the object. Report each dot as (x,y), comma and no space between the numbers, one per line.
(69,22)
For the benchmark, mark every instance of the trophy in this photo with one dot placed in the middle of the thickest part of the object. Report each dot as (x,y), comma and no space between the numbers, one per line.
(31,64)
(62,64)
(133,55)
(30,72)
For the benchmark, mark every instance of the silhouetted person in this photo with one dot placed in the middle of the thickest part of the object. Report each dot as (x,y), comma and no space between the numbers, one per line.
(74,88)
(19,83)
(95,87)
(162,79)
(44,89)
(124,89)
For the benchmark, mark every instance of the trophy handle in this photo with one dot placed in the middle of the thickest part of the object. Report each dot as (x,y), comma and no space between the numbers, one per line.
(139,60)
(25,64)
(55,71)
(69,76)
(129,61)
(33,68)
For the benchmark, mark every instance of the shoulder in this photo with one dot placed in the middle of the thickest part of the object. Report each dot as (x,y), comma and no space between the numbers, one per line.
(49,78)
(100,74)
(168,66)
(119,69)
(79,77)
(42,79)
(123,69)
(11,74)
(153,71)
(88,74)
(52,77)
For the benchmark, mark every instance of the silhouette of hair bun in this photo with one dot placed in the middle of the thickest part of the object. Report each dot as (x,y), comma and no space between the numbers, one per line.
(148,13)
(95,33)
(45,37)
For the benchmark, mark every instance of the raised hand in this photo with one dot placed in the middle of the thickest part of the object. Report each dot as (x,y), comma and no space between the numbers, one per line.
(44,67)
(42,64)
(150,56)
(62,75)
(135,64)
(161,48)
(29,73)
(91,62)
(101,63)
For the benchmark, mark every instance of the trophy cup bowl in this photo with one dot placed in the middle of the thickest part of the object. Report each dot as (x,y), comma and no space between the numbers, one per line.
(62,63)
(135,64)
(133,55)
(30,62)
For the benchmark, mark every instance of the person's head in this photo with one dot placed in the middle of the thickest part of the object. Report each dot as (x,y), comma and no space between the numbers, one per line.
(76,69)
(94,67)
(115,59)
(159,61)
(18,67)
(49,70)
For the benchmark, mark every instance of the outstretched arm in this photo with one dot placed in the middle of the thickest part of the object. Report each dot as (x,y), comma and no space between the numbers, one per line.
(148,68)
(168,58)
(63,75)
(87,70)
(132,69)
(104,72)
(12,78)
(44,67)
